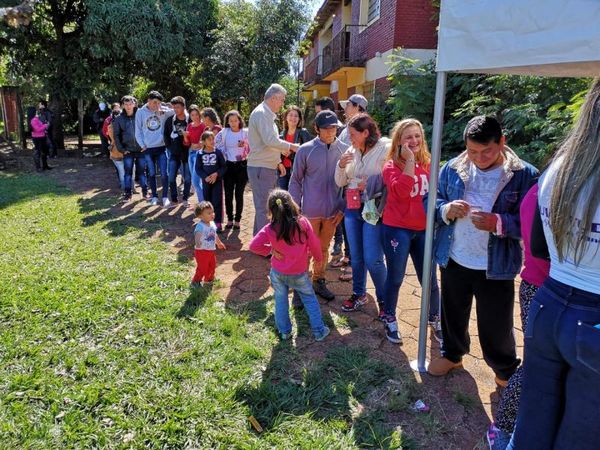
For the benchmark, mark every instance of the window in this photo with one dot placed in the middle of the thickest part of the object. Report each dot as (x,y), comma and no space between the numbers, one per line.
(370,11)
(373,11)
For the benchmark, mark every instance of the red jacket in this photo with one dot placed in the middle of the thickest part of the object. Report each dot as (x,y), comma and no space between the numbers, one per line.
(404,206)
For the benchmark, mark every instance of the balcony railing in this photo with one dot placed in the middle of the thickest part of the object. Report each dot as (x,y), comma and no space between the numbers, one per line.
(337,53)
(313,70)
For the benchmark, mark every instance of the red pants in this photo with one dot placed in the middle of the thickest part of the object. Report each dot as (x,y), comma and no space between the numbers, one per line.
(206,263)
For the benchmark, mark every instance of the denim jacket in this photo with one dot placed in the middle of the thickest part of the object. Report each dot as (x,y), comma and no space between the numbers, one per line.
(504,252)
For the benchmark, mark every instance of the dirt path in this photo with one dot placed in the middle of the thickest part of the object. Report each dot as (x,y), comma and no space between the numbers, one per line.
(466,398)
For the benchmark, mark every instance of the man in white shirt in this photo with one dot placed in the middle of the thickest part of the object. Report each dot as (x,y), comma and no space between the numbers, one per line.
(266,149)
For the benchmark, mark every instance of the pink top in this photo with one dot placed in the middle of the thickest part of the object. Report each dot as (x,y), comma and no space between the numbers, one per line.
(535,270)
(296,256)
(38,128)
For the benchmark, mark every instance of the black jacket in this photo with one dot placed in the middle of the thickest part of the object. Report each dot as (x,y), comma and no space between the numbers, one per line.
(301,136)
(124,131)
(175,144)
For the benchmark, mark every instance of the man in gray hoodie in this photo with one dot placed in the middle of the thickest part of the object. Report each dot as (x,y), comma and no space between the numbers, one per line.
(313,187)
(149,127)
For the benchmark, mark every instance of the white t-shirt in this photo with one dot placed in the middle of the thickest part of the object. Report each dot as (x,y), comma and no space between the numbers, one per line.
(470,245)
(208,238)
(586,275)
(233,150)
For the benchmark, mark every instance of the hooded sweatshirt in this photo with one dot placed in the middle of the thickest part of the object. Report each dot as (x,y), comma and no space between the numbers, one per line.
(174,138)
(312,185)
(149,126)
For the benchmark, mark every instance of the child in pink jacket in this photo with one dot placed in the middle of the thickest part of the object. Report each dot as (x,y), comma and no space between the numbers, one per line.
(290,240)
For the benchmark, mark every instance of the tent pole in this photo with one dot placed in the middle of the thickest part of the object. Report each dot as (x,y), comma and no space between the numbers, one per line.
(420,365)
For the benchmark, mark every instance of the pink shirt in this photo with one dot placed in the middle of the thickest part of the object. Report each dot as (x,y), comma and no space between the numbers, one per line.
(535,270)
(296,256)
(38,128)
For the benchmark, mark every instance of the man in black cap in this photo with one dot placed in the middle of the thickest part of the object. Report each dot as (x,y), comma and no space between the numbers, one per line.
(313,187)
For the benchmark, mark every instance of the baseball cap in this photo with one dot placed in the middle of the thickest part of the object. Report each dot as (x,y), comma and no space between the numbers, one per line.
(326,119)
(356,98)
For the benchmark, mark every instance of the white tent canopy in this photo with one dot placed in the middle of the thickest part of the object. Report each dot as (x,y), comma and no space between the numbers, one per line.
(525,37)
(519,37)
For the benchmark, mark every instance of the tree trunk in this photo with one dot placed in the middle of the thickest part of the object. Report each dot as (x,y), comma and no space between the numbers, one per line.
(57,105)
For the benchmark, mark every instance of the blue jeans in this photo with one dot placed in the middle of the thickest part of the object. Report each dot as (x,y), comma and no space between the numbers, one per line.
(302,285)
(283,182)
(366,253)
(154,156)
(196,181)
(176,164)
(560,400)
(139,160)
(262,182)
(120,166)
(398,243)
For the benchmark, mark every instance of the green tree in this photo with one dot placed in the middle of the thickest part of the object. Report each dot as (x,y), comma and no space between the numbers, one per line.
(252,46)
(79,47)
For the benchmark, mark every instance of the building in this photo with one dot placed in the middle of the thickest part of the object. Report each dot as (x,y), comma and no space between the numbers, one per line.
(351,40)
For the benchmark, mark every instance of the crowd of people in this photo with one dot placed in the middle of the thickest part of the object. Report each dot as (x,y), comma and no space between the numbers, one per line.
(350,186)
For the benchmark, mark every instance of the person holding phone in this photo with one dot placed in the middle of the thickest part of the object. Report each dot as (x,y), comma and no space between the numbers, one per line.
(232,141)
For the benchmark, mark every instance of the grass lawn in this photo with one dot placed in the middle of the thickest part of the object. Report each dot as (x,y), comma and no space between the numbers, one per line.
(102,345)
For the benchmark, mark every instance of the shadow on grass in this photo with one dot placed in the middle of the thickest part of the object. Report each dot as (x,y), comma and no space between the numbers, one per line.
(18,188)
(346,389)
(195,300)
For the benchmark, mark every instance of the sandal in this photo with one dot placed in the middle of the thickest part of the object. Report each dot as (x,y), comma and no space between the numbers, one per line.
(342,262)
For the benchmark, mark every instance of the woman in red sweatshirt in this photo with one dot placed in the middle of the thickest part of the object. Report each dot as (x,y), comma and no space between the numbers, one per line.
(406,177)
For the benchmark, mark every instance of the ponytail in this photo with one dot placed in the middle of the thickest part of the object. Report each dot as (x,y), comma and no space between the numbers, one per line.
(284,214)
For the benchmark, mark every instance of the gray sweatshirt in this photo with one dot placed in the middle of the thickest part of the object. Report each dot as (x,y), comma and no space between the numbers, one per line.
(312,184)
(149,126)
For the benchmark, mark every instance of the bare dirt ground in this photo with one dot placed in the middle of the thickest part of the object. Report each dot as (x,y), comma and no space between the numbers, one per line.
(467,398)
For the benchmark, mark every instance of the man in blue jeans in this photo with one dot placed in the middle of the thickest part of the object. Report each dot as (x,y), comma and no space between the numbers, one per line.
(478,247)
(177,151)
(149,127)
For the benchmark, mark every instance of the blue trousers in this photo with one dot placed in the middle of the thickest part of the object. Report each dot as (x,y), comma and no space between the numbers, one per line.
(560,400)
(139,160)
(366,253)
(154,156)
(302,285)
(196,181)
(398,244)
(175,165)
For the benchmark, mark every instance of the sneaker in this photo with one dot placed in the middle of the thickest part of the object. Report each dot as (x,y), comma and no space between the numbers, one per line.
(146,195)
(186,204)
(166,203)
(154,201)
(321,290)
(441,366)
(436,329)
(297,301)
(337,250)
(392,333)
(195,285)
(229,225)
(236,225)
(381,315)
(285,336)
(497,439)
(354,303)
(323,335)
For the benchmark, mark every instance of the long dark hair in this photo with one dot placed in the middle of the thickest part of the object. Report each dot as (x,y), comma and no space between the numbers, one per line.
(284,213)
(234,112)
(212,115)
(300,118)
(362,122)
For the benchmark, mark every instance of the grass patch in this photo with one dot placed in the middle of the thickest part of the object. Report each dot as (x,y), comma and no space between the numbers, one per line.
(103,345)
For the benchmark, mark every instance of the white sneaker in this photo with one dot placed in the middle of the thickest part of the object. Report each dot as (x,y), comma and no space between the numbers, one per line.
(166,203)
(154,201)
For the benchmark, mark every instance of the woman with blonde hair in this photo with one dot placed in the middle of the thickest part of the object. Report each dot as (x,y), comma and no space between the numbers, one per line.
(406,177)
(560,399)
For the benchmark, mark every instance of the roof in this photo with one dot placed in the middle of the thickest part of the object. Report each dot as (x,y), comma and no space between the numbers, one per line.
(327,9)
